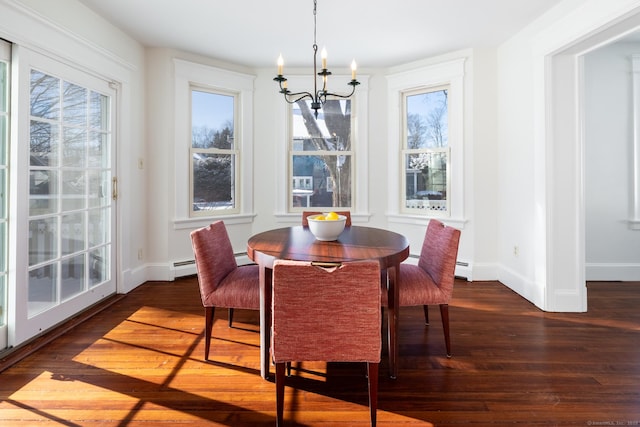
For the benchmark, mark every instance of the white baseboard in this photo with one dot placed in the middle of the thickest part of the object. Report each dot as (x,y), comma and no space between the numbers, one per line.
(612,272)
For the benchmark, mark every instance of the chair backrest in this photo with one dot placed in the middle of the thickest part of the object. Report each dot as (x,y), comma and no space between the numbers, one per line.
(439,253)
(326,314)
(214,256)
(306,214)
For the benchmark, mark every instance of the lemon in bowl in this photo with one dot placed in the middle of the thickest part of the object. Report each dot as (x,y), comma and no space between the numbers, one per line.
(327,227)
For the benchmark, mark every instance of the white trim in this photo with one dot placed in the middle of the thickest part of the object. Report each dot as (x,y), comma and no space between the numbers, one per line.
(613,271)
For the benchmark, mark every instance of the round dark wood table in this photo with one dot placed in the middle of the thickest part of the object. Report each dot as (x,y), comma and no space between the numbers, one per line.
(355,243)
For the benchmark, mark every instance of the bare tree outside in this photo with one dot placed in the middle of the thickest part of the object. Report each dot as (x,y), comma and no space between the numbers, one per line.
(336,118)
(426,143)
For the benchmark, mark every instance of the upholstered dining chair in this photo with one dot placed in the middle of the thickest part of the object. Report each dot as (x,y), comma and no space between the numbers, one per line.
(222,282)
(306,214)
(431,281)
(326,313)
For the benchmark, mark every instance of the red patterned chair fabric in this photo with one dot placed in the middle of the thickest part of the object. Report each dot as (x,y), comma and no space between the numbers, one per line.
(326,314)
(431,281)
(222,282)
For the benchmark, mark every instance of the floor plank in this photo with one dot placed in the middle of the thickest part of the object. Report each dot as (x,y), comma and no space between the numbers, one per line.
(139,362)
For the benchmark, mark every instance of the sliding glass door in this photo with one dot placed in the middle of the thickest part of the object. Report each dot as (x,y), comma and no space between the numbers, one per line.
(64,213)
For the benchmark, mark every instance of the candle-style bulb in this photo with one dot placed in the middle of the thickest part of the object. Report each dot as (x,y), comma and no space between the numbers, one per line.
(323,55)
(280,64)
(353,69)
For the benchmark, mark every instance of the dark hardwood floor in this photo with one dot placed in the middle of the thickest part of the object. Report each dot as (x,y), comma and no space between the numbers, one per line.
(139,362)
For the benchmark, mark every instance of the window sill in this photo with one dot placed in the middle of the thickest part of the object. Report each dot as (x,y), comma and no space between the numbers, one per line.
(410,219)
(203,221)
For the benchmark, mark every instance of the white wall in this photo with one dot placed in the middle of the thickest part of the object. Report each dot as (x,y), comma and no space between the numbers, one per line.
(612,247)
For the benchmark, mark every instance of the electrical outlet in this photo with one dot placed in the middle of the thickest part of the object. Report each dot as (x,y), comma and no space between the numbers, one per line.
(516,251)
(140,254)
(140,163)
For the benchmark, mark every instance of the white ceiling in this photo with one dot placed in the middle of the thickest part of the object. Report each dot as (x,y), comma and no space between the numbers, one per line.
(373,32)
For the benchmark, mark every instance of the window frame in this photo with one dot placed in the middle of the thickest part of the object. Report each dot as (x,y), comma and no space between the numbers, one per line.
(449,73)
(359,146)
(407,151)
(293,153)
(237,135)
(188,75)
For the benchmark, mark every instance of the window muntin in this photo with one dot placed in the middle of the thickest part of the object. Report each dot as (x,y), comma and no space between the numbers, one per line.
(426,152)
(214,156)
(321,156)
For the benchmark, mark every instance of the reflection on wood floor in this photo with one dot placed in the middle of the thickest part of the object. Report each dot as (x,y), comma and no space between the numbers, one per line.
(139,362)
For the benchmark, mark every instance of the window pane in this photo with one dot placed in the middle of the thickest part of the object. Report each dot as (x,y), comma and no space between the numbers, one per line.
(99,229)
(427,120)
(98,150)
(3,137)
(45,96)
(212,120)
(72,276)
(44,144)
(213,181)
(42,240)
(43,186)
(42,289)
(99,111)
(99,188)
(98,266)
(426,186)
(3,195)
(74,147)
(314,185)
(73,190)
(72,233)
(323,179)
(74,99)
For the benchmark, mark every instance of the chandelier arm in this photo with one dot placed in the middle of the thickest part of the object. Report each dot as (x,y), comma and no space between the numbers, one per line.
(300,96)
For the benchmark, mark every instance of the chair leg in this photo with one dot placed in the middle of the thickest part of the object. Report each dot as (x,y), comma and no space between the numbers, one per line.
(208,327)
(444,312)
(280,368)
(426,314)
(372,373)
(230,317)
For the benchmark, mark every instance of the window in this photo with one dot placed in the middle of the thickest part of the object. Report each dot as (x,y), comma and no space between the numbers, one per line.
(213,153)
(425,154)
(214,145)
(426,137)
(321,156)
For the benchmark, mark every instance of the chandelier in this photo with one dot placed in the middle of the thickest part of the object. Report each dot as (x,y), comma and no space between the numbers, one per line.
(318,97)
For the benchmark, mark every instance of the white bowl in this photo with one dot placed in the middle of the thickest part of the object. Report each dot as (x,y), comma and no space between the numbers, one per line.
(326,230)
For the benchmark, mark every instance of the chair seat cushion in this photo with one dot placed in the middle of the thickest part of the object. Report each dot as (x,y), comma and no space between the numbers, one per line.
(417,288)
(239,289)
